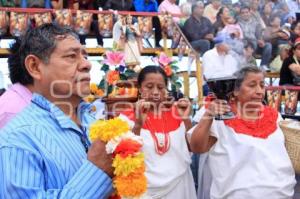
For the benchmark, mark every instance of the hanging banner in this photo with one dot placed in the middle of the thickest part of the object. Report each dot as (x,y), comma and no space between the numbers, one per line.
(4,19)
(105,24)
(83,22)
(18,23)
(42,18)
(64,17)
(145,26)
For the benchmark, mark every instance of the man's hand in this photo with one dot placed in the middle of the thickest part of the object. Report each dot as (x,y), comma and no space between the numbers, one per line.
(209,37)
(98,156)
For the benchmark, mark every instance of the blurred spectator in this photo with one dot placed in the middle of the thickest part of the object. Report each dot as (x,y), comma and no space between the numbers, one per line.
(35,4)
(19,95)
(10,3)
(90,5)
(186,11)
(295,31)
(276,64)
(236,9)
(99,4)
(169,6)
(198,29)
(275,34)
(217,62)
(280,8)
(233,28)
(290,70)
(150,6)
(222,19)
(266,13)
(227,3)
(120,5)
(235,36)
(211,10)
(252,31)
(145,5)
(247,58)
(65,4)
(254,9)
(294,6)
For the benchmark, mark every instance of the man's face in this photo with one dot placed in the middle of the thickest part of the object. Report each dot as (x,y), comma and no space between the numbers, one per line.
(199,10)
(245,14)
(66,73)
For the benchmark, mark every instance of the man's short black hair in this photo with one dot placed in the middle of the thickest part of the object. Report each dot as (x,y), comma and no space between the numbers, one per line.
(41,42)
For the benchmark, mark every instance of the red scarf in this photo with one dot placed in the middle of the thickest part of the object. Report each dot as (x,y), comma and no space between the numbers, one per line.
(260,128)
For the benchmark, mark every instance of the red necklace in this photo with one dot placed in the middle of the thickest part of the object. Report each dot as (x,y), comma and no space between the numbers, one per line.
(161,139)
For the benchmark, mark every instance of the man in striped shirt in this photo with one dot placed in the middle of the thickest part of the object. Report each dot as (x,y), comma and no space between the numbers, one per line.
(43,150)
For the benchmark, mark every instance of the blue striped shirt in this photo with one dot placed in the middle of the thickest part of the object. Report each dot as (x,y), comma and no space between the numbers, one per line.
(42,156)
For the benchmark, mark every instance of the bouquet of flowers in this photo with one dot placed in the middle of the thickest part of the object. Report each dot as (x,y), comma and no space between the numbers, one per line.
(115,72)
(128,160)
(170,68)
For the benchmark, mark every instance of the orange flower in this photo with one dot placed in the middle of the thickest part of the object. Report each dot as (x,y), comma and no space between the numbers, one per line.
(99,93)
(122,91)
(113,77)
(168,70)
(127,147)
(132,185)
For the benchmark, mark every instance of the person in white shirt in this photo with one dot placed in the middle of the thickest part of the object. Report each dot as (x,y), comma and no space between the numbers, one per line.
(218,62)
(246,155)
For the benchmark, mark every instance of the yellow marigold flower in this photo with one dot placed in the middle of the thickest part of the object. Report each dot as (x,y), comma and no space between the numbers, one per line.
(131,186)
(105,130)
(125,166)
(89,98)
(93,88)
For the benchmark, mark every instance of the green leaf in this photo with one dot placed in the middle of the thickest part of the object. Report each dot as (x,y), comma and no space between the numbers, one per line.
(130,73)
(102,84)
(174,62)
(174,78)
(174,67)
(123,77)
(178,85)
(173,87)
(105,68)
(109,89)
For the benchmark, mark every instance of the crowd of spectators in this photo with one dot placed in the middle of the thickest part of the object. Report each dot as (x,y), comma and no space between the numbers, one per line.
(266,27)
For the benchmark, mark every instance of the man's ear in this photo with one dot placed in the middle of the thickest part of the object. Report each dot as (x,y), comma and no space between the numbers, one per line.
(33,64)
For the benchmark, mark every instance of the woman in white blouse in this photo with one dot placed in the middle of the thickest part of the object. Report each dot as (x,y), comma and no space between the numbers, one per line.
(246,155)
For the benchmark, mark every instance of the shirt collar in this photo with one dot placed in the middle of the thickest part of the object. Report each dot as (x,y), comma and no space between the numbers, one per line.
(85,113)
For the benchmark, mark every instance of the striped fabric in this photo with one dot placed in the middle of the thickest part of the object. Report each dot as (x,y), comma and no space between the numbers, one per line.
(42,156)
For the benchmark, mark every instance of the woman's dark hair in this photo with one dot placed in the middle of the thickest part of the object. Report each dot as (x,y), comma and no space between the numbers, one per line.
(242,73)
(2,90)
(218,25)
(41,42)
(294,24)
(293,48)
(151,69)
